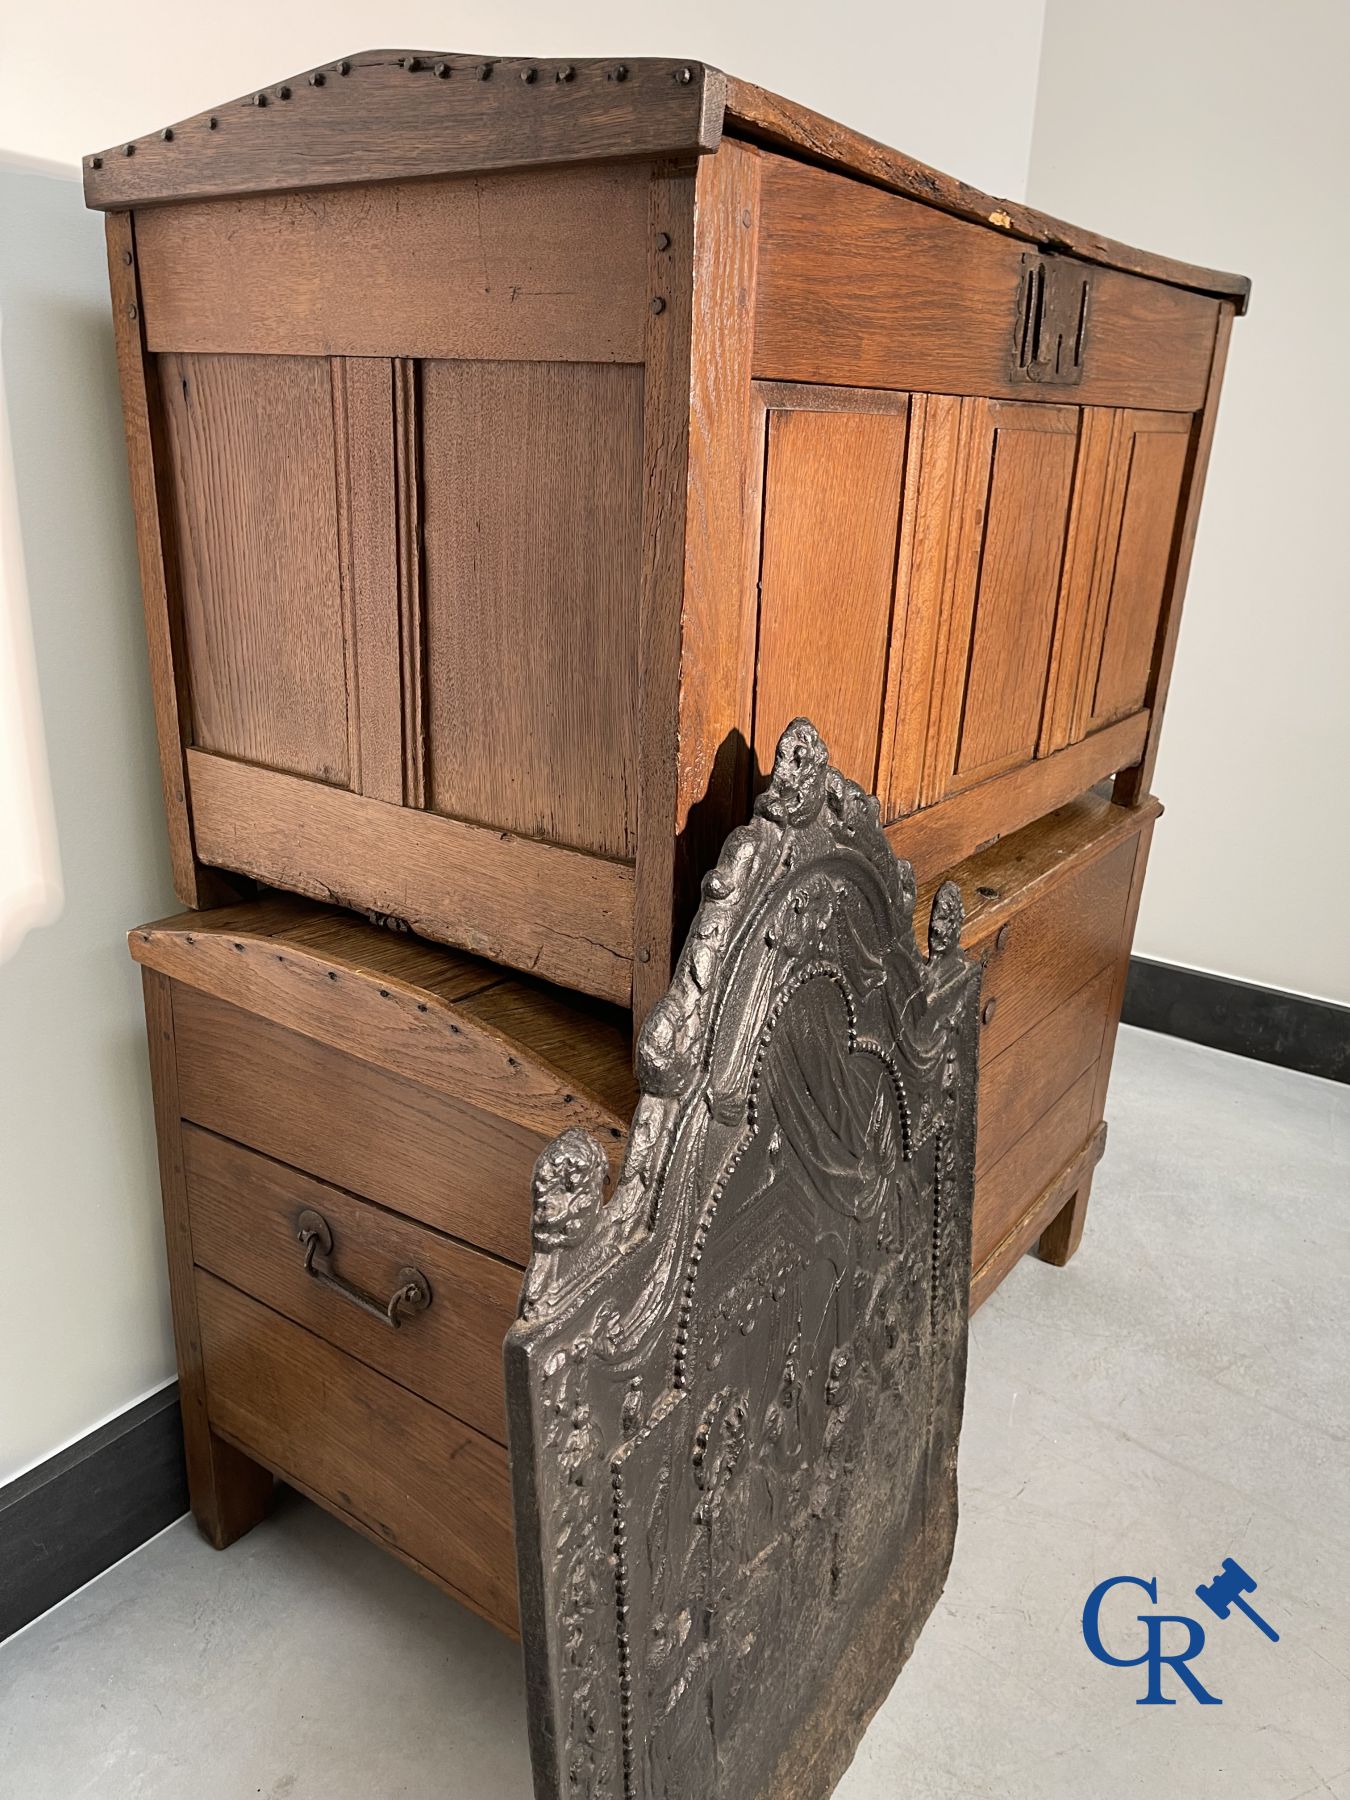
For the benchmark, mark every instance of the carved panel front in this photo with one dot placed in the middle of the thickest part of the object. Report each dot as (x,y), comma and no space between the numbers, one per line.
(735,1389)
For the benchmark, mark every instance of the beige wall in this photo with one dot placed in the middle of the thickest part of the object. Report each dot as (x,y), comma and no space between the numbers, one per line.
(83,1316)
(1219,130)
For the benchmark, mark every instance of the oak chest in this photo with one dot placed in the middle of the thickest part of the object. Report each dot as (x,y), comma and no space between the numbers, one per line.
(517,449)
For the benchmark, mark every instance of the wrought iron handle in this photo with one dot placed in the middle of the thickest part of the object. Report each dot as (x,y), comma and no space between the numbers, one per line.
(412,1295)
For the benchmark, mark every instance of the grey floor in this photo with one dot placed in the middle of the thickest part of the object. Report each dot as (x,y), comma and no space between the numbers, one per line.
(1178,1395)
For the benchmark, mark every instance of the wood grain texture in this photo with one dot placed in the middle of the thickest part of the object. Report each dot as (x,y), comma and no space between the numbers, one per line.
(721,539)
(1021,1084)
(942,835)
(449,1165)
(528,1053)
(1143,843)
(367,513)
(665,462)
(1012,1186)
(1087,514)
(831,515)
(152,508)
(549,266)
(229,1492)
(1036,1219)
(1134,784)
(1034,962)
(1010,518)
(1061,1237)
(866,289)
(380,115)
(755,113)
(244,1211)
(532,497)
(998,883)
(362,119)
(925,574)
(1149,453)
(421,1481)
(560,914)
(251,453)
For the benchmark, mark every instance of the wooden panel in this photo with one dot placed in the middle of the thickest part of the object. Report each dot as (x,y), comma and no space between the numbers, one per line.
(254,484)
(1134,559)
(229,1493)
(1038,1217)
(513,1047)
(1039,958)
(1087,511)
(432,1488)
(550,265)
(1022,1083)
(532,499)
(1012,508)
(244,1209)
(566,916)
(393,1141)
(1133,785)
(925,575)
(722,536)
(1008,1188)
(866,289)
(665,470)
(831,515)
(143,422)
(752,112)
(950,832)
(998,883)
(367,489)
(389,113)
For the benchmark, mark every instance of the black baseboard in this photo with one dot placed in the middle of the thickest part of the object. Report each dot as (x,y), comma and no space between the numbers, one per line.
(1264,1023)
(78,1513)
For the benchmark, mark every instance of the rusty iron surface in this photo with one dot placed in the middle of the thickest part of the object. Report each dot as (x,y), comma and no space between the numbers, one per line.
(735,1388)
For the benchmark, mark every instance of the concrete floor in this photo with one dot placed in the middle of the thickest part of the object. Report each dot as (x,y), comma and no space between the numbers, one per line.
(1180,1394)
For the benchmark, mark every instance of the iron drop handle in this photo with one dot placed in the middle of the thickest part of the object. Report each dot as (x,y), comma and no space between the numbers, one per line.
(412,1295)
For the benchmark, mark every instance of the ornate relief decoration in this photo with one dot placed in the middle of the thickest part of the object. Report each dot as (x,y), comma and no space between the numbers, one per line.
(735,1387)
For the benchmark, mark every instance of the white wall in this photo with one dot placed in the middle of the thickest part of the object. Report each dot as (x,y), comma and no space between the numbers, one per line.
(1219,130)
(83,1315)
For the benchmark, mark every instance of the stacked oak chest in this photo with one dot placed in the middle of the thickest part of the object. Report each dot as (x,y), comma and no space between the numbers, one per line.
(516,448)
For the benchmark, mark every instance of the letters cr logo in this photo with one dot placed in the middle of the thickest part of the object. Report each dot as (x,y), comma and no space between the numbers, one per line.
(1153,1653)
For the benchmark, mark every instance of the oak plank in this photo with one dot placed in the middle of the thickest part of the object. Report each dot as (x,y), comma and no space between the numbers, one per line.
(420,1480)
(867,289)
(252,460)
(457,1168)
(831,518)
(556,912)
(1025,1079)
(531,531)
(229,1492)
(945,834)
(541,267)
(244,1211)
(456,1025)
(383,115)
(766,118)
(152,506)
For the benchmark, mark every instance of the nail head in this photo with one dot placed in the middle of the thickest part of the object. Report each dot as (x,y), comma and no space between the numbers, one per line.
(663,240)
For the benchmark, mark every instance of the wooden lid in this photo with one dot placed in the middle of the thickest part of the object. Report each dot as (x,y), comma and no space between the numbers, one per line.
(511,1046)
(389,115)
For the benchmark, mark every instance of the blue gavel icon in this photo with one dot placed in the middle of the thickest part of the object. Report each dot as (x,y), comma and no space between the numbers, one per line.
(1226,1591)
